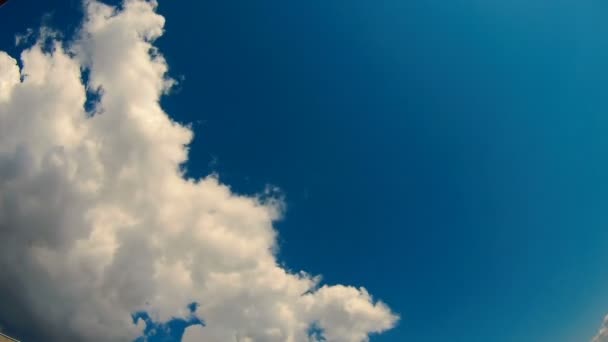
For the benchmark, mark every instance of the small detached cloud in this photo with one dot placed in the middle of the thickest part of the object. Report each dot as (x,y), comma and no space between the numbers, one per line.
(173,330)
(98,221)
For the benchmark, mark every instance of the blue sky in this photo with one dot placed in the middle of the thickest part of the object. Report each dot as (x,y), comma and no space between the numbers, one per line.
(450,157)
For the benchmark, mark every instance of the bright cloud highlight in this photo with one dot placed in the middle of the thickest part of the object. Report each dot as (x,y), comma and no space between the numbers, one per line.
(98,221)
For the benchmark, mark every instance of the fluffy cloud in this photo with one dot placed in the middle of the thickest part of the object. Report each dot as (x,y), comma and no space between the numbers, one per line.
(602,335)
(98,221)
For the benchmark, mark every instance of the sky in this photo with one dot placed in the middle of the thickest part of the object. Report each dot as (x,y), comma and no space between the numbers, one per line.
(449,157)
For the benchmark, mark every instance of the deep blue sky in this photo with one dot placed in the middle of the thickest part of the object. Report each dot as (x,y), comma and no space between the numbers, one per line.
(450,156)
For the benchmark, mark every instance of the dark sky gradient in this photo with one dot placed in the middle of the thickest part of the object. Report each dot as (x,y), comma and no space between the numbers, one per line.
(450,156)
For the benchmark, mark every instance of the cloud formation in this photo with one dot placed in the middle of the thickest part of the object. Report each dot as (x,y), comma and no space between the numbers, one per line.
(602,335)
(98,221)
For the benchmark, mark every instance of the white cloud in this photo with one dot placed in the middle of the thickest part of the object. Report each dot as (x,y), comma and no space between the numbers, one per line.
(602,335)
(195,334)
(97,220)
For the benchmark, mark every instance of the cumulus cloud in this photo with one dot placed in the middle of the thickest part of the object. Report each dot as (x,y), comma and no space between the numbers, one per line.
(602,335)
(98,221)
